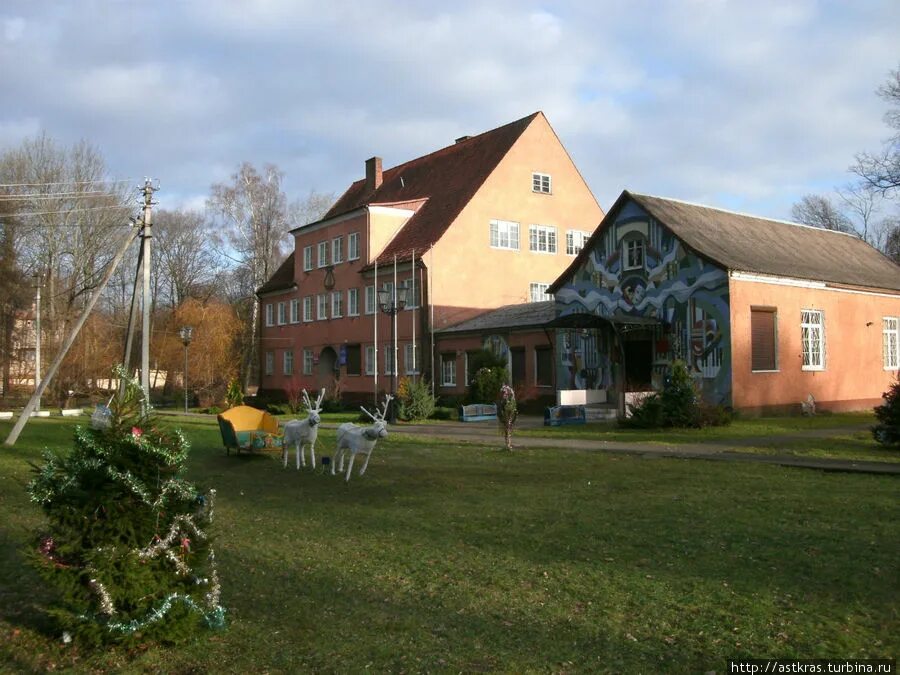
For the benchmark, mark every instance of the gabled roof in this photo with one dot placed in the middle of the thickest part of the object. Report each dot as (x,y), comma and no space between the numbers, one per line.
(447,178)
(745,243)
(283,278)
(522,315)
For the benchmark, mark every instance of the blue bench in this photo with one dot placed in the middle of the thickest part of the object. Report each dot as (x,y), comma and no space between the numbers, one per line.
(478,412)
(562,415)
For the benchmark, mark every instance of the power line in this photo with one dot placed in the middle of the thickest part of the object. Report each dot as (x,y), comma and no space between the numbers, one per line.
(67,182)
(51,195)
(53,213)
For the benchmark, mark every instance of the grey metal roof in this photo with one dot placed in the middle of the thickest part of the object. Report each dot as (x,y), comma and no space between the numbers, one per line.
(523,315)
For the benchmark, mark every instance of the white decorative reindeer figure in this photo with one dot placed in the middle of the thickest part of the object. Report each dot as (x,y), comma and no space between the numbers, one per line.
(298,433)
(359,440)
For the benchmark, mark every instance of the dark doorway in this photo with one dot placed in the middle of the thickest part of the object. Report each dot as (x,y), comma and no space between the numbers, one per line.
(638,364)
(517,356)
(327,370)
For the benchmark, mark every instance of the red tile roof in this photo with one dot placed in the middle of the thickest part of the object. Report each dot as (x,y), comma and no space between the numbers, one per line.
(447,178)
(282,279)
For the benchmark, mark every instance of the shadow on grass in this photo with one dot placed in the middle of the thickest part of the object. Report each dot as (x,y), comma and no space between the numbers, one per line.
(23,594)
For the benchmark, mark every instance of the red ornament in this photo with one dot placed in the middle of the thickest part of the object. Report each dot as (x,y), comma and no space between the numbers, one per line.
(136,432)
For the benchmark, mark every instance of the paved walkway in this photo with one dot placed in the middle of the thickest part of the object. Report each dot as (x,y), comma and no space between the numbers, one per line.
(487,433)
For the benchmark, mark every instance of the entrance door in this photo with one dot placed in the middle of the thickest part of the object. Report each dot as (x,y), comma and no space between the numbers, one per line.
(517,356)
(638,364)
(327,364)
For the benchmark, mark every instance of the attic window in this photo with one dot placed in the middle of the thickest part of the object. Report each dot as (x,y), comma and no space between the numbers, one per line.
(634,254)
(540,182)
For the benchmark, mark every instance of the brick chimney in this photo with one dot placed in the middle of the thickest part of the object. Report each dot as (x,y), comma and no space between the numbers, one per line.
(373,174)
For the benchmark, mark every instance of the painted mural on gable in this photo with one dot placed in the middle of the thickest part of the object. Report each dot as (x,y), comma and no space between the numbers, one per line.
(639,269)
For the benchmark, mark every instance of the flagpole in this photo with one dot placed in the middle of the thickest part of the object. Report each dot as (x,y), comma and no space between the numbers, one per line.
(375,319)
(396,312)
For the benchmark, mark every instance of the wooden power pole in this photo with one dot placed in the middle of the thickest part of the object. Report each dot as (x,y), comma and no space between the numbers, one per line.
(32,403)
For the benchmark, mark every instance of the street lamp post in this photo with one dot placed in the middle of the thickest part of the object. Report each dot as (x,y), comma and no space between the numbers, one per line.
(390,302)
(187,334)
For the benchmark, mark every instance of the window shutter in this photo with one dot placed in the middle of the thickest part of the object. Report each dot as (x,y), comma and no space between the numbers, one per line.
(762,339)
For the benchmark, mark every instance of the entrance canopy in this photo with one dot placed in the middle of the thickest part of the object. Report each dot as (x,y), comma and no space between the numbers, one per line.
(618,322)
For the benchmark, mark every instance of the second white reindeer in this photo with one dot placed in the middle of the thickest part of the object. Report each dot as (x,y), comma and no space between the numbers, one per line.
(357,440)
(298,433)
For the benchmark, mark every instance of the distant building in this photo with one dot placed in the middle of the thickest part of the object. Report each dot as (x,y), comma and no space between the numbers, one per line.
(489,221)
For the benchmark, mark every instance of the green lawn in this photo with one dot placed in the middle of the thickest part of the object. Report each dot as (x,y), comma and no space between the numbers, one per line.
(740,428)
(453,557)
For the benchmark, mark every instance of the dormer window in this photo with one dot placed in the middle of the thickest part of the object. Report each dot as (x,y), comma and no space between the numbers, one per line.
(540,182)
(634,254)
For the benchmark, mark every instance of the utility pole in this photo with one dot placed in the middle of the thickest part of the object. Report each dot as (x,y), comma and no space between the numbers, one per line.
(146,235)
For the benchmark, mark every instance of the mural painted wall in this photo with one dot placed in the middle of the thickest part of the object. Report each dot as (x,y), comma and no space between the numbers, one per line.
(638,268)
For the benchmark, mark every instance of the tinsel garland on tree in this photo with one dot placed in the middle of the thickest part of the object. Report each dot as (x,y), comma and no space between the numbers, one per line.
(125,542)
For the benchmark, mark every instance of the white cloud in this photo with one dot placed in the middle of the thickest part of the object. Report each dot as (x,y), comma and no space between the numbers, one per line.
(743,103)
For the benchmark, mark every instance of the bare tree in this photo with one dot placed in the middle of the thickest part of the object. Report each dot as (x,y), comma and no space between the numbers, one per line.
(254,210)
(311,208)
(67,209)
(818,211)
(892,242)
(881,170)
(188,262)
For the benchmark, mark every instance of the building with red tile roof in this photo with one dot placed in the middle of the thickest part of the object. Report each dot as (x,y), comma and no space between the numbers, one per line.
(488,221)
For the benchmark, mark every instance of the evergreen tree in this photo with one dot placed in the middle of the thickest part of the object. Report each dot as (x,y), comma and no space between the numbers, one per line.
(125,542)
(887,431)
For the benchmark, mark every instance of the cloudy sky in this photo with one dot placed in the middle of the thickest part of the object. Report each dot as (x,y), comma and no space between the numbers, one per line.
(746,105)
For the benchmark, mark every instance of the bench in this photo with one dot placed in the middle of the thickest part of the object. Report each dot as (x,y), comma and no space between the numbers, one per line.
(246,428)
(477,412)
(562,415)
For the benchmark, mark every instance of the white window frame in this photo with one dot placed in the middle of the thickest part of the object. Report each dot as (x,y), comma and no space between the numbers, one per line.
(812,331)
(448,371)
(541,183)
(308,361)
(371,300)
(337,304)
(537,291)
(295,310)
(282,313)
(412,300)
(575,241)
(370,360)
(307,258)
(322,307)
(288,362)
(504,235)
(322,260)
(352,302)
(388,360)
(270,363)
(308,308)
(270,315)
(337,250)
(629,246)
(542,239)
(410,368)
(353,246)
(890,331)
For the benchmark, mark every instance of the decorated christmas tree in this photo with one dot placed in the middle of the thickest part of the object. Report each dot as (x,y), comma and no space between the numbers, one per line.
(125,541)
